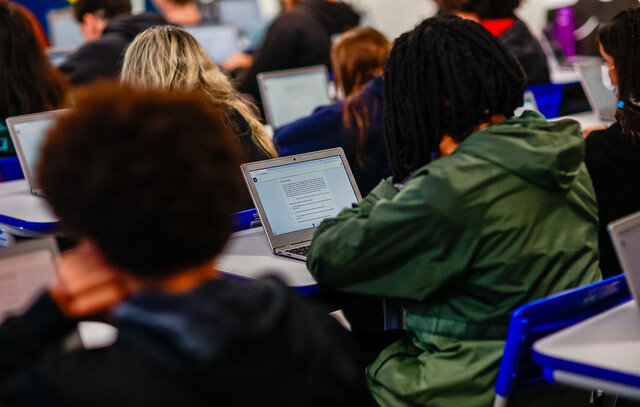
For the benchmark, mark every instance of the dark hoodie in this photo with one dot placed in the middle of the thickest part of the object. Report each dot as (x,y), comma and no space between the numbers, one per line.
(103,57)
(225,343)
(300,37)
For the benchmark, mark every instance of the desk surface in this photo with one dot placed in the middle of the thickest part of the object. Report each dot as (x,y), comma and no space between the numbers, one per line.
(22,209)
(604,348)
(586,119)
(248,255)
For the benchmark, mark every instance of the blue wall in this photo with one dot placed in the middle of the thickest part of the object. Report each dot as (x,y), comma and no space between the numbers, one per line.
(41,7)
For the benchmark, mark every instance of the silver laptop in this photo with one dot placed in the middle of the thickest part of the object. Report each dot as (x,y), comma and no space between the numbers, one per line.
(625,234)
(294,194)
(64,30)
(26,269)
(602,101)
(218,41)
(28,133)
(291,94)
(243,14)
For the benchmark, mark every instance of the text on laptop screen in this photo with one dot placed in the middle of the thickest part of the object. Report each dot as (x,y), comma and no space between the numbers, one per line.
(218,41)
(31,135)
(300,195)
(295,96)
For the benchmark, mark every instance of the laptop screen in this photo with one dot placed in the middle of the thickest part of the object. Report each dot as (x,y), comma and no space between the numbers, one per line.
(291,97)
(31,135)
(601,99)
(64,30)
(299,196)
(218,41)
(243,14)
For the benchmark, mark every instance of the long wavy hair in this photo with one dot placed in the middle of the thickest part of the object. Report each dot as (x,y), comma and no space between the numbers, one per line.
(28,81)
(357,57)
(167,57)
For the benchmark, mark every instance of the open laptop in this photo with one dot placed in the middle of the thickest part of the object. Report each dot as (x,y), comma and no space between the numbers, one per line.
(294,194)
(625,234)
(28,132)
(291,94)
(218,41)
(243,14)
(602,101)
(26,269)
(64,30)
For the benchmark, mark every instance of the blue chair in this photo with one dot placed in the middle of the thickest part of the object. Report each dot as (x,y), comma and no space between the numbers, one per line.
(542,317)
(247,219)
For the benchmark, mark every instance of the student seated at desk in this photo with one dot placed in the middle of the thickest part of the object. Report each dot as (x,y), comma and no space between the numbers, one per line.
(355,123)
(613,155)
(29,83)
(170,58)
(483,214)
(151,222)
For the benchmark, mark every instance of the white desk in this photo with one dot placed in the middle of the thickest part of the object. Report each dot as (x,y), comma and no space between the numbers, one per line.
(586,119)
(24,214)
(602,352)
(248,255)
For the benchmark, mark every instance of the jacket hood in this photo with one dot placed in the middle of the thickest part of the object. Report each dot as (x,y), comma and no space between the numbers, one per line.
(130,26)
(547,154)
(334,17)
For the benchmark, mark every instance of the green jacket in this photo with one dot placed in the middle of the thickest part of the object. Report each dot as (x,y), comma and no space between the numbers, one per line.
(509,217)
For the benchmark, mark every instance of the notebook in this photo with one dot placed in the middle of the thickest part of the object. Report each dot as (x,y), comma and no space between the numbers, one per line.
(218,41)
(602,101)
(291,94)
(625,234)
(294,194)
(28,132)
(26,269)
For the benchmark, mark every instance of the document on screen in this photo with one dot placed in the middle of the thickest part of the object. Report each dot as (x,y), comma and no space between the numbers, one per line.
(308,197)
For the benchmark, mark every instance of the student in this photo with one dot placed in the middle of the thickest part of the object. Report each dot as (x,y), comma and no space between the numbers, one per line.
(483,214)
(181,12)
(355,123)
(107,27)
(499,18)
(30,84)
(613,155)
(151,222)
(170,58)
(298,37)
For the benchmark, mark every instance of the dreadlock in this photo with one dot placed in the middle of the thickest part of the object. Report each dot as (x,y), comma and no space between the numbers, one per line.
(619,38)
(445,77)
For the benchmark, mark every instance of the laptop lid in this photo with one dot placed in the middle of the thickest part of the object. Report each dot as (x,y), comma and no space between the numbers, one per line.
(602,101)
(294,194)
(26,269)
(28,133)
(291,94)
(218,41)
(625,234)
(243,14)
(63,28)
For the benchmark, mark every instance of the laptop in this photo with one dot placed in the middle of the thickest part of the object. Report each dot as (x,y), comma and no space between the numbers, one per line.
(26,269)
(602,101)
(28,133)
(63,28)
(58,56)
(218,41)
(243,14)
(294,194)
(291,94)
(625,234)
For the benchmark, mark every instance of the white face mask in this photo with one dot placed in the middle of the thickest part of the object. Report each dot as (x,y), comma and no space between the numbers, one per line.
(606,79)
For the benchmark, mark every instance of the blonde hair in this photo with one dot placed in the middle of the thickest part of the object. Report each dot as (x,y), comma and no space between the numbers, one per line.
(167,57)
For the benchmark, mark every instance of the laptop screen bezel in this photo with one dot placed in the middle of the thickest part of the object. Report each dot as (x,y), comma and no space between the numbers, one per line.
(299,235)
(34,186)
(265,76)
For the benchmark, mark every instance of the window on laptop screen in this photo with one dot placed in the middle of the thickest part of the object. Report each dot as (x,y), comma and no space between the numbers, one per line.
(218,41)
(295,96)
(31,135)
(300,195)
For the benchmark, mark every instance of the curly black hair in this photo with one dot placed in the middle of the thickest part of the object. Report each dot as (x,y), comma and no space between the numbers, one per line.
(151,177)
(444,77)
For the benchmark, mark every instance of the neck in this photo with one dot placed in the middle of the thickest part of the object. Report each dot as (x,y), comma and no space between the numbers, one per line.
(185,281)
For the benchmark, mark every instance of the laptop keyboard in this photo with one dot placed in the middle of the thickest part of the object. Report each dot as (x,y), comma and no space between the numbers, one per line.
(301,251)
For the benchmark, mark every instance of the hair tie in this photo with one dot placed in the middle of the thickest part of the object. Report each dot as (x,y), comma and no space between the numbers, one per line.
(620,104)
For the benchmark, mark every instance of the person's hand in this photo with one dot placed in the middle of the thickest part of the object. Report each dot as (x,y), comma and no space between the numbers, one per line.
(87,284)
(237,60)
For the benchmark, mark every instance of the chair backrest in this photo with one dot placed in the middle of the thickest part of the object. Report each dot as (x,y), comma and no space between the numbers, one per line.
(542,317)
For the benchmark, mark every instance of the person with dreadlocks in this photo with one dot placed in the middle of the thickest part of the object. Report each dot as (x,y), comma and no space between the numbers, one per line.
(484,213)
(613,154)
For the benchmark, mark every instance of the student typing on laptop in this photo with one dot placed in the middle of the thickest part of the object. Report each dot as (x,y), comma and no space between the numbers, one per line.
(148,185)
(484,213)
